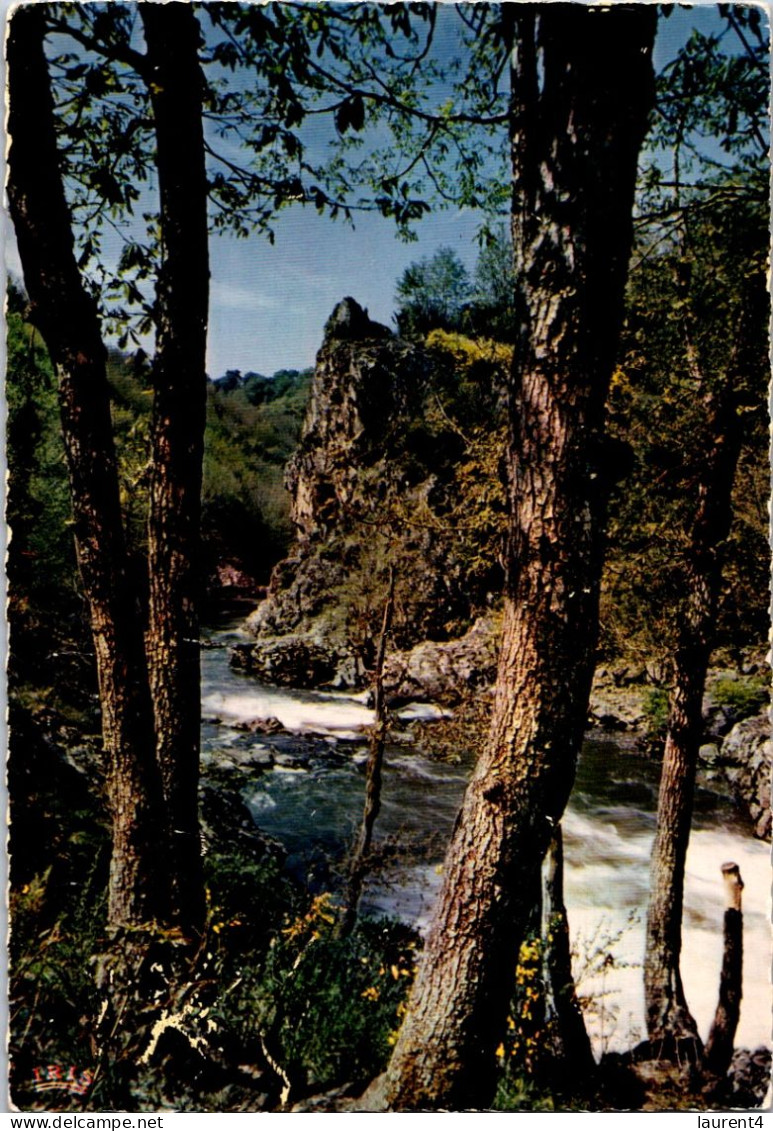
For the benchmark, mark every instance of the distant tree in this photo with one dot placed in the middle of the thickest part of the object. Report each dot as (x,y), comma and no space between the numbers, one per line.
(491,310)
(231,379)
(432,294)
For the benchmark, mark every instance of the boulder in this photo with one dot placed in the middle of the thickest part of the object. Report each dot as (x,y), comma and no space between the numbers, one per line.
(746,762)
(302,661)
(445,671)
(617,698)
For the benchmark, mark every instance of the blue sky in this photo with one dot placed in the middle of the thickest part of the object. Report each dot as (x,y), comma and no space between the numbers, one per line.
(269,302)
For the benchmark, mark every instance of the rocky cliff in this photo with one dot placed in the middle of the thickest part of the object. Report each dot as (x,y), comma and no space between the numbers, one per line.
(371,486)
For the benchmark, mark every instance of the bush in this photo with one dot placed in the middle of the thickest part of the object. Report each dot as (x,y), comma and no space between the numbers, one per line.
(333,1005)
(743,696)
(655,709)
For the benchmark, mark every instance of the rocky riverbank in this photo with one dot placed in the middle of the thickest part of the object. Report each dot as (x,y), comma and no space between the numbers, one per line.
(375,491)
(737,750)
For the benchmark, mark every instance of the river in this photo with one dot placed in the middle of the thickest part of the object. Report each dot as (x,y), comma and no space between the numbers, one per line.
(311,800)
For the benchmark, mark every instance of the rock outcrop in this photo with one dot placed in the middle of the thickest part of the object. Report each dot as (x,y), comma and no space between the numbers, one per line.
(369,483)
(367,384)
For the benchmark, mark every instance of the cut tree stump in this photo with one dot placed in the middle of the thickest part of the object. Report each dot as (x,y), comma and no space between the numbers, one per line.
(719,1047)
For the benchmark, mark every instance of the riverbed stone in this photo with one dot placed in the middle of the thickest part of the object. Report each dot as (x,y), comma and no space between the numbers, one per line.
(291,661)
(292,760)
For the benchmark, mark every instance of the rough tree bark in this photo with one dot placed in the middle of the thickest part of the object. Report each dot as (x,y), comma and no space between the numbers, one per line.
(67,318)
(176,83)
(149,687)
(582,88)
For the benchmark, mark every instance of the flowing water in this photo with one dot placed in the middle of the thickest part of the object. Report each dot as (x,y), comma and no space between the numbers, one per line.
(312,802)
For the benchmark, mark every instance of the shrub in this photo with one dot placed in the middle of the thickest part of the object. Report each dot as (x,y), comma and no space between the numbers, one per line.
(743,696)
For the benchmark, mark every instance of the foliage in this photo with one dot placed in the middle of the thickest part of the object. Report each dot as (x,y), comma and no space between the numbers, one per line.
(432,294)
(252,429)
(433,508)
(41,554)
(742,696)
(491,311)
(332,1005)
(696,337)
(655,710)
(437,293)
(253,424)
(696,333)
(57,907)
(269,986)
(527,1080)
(291,93)
(524,1038)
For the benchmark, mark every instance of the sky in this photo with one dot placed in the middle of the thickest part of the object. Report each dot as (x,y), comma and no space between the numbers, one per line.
(269,303)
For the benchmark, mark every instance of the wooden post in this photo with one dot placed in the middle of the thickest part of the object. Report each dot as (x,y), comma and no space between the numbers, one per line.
(719,1047)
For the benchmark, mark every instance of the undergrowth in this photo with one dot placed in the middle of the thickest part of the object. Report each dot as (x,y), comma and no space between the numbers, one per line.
(272,1007)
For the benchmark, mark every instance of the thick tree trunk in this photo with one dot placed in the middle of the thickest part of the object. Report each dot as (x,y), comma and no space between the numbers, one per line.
(581,90)
(671,1028)
(179,411)
(67,318)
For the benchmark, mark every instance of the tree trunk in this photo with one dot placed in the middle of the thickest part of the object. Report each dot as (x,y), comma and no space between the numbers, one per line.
(582,87)
(179,411)
(359,862)
(567,1044)
(719,1047)
(671,1028)
(67,318)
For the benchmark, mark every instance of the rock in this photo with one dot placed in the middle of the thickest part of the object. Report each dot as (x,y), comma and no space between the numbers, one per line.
(366,458)
(617,699)
(226,823)
(445,671)
(709,753)
(292,761)
(293,661)
(259,758)
(746,761)
(748,1078)
(627,674)
(366,382)
(350,322)
(271,725)
(717,722)
(232,758)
